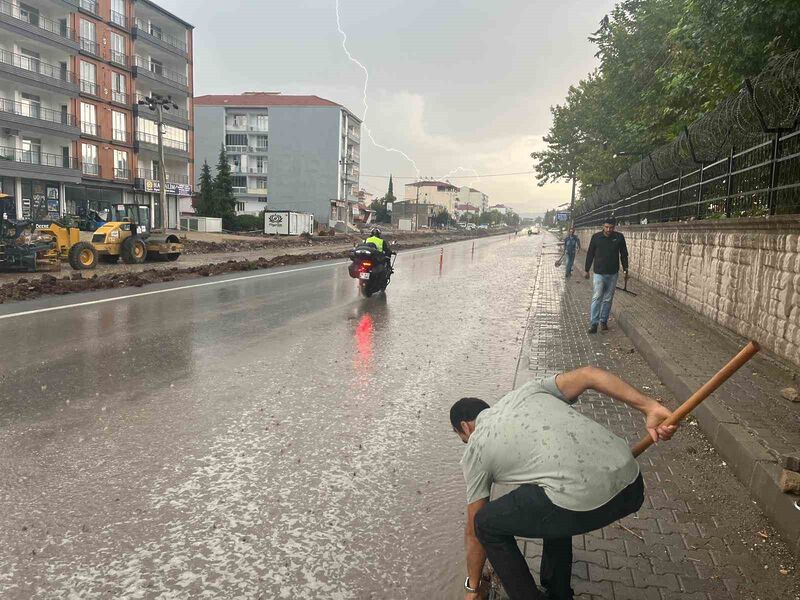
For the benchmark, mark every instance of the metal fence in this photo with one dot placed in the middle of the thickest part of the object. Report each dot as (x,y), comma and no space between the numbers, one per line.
(740,160)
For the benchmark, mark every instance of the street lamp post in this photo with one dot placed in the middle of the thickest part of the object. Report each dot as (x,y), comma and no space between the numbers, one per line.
(159,104)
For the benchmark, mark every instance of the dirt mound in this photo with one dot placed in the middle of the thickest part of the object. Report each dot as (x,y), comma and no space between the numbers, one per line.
(29,289)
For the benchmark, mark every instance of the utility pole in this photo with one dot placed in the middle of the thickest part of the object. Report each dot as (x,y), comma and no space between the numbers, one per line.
(572,201)
(416,210)
(159,104)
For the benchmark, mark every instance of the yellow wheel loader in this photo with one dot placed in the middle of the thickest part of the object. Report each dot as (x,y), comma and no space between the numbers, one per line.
(80,255)
(124,239)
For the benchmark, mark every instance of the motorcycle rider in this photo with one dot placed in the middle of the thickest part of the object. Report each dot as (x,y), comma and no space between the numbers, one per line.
(382,245)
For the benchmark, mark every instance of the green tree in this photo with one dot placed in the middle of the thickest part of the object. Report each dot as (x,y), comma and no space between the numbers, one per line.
(224,200)
(442,218)
(205,203)
(390,192)
(663,63)
(382,215)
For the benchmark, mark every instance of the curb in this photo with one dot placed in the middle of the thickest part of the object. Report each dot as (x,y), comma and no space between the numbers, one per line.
(756,469)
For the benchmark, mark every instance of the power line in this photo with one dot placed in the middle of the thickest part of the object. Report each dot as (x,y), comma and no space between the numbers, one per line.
(456,177)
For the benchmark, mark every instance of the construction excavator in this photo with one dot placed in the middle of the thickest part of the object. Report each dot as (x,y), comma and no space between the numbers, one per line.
(22,248)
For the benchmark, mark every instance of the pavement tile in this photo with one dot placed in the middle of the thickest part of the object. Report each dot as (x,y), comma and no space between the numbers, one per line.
(622,575)
(626,592)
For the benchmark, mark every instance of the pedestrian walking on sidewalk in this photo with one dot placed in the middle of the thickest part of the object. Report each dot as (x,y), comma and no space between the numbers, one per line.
(574,476)
(606,250)
(572,244)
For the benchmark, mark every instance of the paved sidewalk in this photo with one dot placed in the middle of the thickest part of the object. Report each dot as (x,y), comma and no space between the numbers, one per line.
(698,534)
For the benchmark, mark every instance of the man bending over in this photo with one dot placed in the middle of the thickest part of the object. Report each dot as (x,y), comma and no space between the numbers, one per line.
(574,476)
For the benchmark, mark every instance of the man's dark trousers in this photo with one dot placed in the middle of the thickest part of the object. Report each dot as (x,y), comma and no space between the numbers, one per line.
(528,512)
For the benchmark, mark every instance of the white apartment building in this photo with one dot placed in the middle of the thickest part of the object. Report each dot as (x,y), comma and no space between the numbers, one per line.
(438,193)
(468,195)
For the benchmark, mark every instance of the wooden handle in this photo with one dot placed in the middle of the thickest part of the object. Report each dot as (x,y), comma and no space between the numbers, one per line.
(704,392)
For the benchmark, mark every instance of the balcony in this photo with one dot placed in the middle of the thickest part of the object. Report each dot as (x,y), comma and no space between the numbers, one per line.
(89,87)
(157,73)
(246,127)
(15,162)
(153,176)
(37,72)
(232,149)
(33,117)
(120,135)
(122,174)
(119,19)
(159,38)
(149,141)
(119,58)
(89,46)
(90,129)
(37,26)
(119,97)
(354,135)
(91,169)
(89,6)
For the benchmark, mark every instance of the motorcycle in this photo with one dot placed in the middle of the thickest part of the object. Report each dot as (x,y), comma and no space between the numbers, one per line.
(371,267)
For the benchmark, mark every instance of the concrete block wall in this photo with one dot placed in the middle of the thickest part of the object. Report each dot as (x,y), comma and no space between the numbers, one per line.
(742,273)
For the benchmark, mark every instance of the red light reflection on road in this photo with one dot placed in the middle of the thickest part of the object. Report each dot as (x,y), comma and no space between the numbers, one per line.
(364,334)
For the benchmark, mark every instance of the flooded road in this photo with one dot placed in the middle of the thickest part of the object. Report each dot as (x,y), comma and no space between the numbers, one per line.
(272,436)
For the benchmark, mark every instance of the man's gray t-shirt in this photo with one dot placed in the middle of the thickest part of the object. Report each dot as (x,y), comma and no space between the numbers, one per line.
(533,436)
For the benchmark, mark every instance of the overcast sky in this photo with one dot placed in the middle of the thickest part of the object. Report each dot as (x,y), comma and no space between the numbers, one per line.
(453,83)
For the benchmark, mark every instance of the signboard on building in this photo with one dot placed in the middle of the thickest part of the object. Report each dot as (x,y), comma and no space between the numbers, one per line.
(562,216)
(153,186)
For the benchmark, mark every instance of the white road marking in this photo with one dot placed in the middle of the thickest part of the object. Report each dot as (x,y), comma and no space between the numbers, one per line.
(183,287)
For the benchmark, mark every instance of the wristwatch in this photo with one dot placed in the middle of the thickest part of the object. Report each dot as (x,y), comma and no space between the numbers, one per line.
(469,589)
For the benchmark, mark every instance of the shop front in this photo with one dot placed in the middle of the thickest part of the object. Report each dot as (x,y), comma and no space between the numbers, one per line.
(149,191)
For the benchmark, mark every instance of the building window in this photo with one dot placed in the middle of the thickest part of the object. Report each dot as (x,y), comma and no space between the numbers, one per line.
(29,60)
(32,151)
(120,126)
(118,13)
(238,121)
(262,122)
(156,66)
(89,159)
(261,164)
(31,105)
(88,37)
(239,182)
(121,170)
(236,139)
(88,78)
(89,119)
(118,49)
(261,143)
(240,207)
(261,183)
(118,88)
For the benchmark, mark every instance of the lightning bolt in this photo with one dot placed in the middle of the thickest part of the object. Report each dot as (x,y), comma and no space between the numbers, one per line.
(360,65)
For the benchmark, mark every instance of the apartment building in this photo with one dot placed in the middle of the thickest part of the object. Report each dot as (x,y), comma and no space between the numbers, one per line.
(297,153)
(72,136)
(438,193)
(469,195)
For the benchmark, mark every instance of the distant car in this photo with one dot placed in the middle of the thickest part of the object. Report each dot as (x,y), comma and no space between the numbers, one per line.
(483,226)
(470,226)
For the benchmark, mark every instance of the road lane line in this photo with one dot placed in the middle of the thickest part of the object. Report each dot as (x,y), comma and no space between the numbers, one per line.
(187,287)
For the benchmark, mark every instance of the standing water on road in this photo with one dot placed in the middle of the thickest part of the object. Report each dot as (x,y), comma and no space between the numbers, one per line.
(275,437)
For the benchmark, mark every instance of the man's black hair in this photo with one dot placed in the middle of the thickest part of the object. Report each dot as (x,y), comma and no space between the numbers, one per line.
(610,220)
(466,409)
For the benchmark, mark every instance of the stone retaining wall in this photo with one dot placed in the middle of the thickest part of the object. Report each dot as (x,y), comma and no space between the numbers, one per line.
(742,273)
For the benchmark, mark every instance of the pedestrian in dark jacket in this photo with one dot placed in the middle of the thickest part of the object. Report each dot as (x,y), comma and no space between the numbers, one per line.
(572,243)
(606,250)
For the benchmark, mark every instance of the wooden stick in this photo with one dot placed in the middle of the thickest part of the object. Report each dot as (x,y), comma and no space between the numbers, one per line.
(704,392)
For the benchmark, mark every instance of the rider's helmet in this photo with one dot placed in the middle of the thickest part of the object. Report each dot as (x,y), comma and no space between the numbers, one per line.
(376,232)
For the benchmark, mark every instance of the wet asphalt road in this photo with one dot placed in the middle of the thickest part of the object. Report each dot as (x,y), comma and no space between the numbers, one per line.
(272,436)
